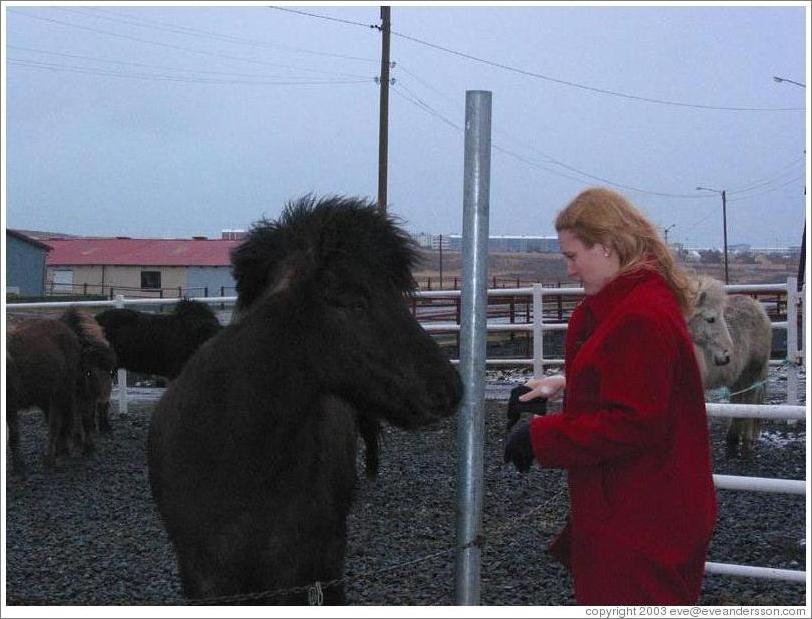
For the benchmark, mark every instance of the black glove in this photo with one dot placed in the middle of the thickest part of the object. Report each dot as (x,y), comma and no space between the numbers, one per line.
(519,449)
(536,406)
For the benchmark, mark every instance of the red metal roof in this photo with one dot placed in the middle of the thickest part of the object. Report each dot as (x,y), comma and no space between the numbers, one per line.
(140,252)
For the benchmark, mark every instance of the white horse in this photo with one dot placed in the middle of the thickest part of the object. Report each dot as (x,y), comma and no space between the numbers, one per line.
(732,337)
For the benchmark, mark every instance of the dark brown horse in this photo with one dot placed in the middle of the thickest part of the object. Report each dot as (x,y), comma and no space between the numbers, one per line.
(62,366)
(158,344)
(252,449)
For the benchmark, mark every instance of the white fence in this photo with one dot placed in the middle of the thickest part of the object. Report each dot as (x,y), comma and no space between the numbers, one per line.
(791,411)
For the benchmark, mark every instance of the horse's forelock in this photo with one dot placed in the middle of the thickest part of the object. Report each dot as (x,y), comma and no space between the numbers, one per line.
(313,235)
(358,234)
(710,293)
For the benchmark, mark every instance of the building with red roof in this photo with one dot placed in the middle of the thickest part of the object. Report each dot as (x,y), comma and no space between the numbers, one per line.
(140,267)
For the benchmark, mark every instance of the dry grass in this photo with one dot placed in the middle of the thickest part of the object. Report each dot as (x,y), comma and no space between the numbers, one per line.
(549,269)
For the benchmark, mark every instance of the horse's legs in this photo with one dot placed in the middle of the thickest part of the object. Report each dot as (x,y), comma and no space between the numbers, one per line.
(87,412)
(103,410)
(12,422)
(743,434)
(57,441)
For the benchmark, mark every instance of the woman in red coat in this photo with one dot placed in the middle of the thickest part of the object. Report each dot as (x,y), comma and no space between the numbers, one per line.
(633,435)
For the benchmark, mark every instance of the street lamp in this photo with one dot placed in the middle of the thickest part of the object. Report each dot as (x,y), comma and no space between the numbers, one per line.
(784,79)
(724,221)
(665,231)
(802,261)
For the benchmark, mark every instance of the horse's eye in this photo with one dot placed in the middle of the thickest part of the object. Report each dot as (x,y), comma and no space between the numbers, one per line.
(88,373)
(712,319)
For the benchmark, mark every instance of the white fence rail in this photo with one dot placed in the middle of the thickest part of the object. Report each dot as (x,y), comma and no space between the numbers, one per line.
(726,482)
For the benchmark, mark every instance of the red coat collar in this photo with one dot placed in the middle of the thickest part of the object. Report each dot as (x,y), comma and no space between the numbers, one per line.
(604,301)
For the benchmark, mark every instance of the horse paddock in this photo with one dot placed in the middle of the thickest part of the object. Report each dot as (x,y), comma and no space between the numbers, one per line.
(88,533)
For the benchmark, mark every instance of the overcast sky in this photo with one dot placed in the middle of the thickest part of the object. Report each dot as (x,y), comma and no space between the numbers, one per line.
(162,121)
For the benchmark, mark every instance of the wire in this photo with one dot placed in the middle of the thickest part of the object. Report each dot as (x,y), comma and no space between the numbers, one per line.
(343,21)
(141,64)
(180,47)
(591,88)
(169,78)
(195,32)
(761,193)
(422,104)
(787,169)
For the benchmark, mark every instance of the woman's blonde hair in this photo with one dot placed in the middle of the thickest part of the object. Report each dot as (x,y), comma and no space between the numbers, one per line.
(605,217)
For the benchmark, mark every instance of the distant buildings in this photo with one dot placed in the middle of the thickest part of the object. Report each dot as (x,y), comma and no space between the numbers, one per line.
(25,264)
(140,267)
(496,244)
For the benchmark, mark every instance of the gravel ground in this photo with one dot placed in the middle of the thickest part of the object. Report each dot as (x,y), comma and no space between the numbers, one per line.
(88,534)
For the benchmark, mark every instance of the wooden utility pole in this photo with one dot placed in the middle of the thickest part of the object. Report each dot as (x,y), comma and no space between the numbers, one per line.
(383,133)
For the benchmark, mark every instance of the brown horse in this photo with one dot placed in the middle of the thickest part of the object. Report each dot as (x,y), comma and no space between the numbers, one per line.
(64,367)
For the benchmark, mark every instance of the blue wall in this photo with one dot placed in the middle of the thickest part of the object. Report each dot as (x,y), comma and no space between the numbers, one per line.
(25,267)
(198,278)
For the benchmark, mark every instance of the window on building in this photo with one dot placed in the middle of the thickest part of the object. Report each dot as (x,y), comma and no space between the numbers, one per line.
(63,282)
(150,279)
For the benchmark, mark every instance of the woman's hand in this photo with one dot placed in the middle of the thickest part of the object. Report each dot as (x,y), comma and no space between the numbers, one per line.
(547,387)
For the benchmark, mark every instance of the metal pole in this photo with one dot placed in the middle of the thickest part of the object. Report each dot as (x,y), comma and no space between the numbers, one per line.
(538,330)
(724,224)
(383,129)
(122,373)
(474,298)
(441,262)
(793,358)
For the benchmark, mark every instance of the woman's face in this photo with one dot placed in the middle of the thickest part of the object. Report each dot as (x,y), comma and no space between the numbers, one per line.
(591,265)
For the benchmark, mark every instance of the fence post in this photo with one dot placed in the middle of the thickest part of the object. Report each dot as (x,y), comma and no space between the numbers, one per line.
(122,373)
(793,359)
(538,330)
(473,341)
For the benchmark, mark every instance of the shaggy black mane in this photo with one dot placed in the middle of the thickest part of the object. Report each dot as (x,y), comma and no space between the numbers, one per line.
(346,233)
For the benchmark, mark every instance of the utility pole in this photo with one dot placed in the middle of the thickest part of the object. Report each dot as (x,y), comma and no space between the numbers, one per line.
(724,227)
(724,222)
(383,132)
(441,262)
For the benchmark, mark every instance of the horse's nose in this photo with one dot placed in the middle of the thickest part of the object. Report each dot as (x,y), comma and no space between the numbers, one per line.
(722,359)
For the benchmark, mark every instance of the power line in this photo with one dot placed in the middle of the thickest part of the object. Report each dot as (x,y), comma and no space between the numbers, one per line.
(196,32)
(171,78)
(179,47)
(761,193)
(603,91)
(571,168)
(336,19)
(787,169)
(144,65)
(427,108)
(527,73)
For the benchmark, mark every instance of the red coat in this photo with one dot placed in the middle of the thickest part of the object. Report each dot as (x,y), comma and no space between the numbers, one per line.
(634,439)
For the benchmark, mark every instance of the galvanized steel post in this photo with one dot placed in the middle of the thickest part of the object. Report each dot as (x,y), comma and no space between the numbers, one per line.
(122,373)
(793,358)
(538,331)
(473,339)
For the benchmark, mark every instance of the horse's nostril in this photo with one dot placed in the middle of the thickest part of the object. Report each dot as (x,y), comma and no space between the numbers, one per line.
(723,359)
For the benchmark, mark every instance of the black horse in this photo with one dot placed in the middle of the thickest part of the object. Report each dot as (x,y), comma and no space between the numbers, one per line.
(252,449)
(64,367)
(158,344)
